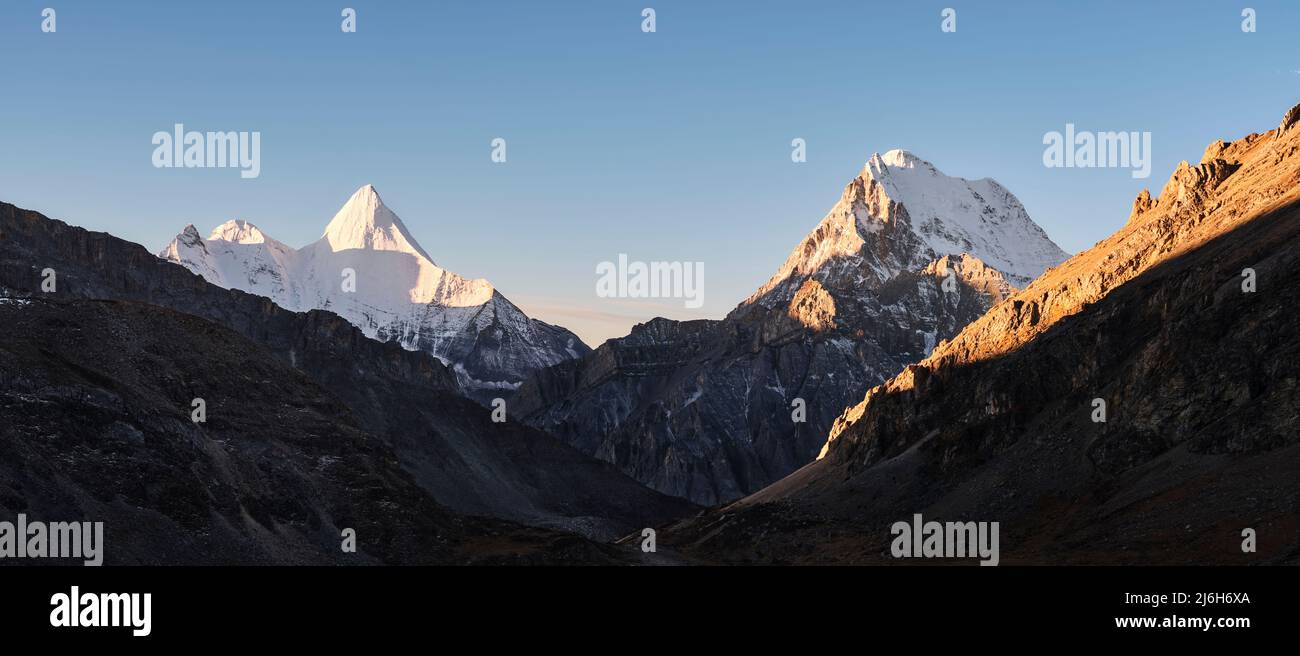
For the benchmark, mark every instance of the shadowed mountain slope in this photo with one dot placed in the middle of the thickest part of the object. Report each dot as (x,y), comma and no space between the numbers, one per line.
(448,442)
(95,425)
(1198,374)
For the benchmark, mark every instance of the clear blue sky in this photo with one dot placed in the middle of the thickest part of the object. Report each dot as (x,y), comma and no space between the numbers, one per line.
(666,146)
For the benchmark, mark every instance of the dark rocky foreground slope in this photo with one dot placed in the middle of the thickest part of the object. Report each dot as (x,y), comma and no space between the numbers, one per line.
(1199,377)
(448,443)
(96,399)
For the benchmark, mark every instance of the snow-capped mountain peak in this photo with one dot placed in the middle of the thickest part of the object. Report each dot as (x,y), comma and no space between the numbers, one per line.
(954,215)
(364,222)
(368,269)
(898,158)
(238,232)
(901,213)
(191,234)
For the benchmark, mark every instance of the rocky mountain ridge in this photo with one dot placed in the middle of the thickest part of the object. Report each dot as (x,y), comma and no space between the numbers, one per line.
(449,444)
(713,410)
(1136,404)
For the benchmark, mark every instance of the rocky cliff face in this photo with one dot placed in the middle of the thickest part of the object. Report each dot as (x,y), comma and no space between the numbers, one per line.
(368,269)
(711,411)
(1181,323)
(448,443)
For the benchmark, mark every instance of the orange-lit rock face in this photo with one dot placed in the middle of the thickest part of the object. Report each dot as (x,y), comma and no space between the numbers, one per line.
(812,307)
(1136,404)
(1235,183)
